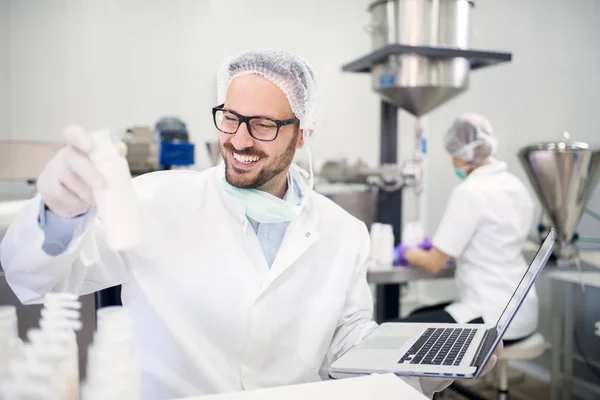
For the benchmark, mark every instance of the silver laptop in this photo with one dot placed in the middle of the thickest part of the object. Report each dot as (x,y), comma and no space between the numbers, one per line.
(437,350)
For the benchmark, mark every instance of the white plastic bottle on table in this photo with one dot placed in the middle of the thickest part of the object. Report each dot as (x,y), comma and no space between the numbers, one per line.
(375,245)
(386,257)
(413,233)
(117,203)
(112,365)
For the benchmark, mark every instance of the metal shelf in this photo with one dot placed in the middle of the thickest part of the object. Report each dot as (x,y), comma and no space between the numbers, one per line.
(478,58)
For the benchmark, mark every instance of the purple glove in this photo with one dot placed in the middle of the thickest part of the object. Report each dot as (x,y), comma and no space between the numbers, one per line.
(399,255)
(426,244)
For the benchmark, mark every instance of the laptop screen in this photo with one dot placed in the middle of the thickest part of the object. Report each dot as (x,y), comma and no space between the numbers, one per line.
(536,266)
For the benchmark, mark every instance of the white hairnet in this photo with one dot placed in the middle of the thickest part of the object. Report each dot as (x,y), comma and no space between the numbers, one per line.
(471,139)
(287,71)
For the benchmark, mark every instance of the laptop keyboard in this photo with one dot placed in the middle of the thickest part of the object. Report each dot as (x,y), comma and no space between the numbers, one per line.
(441,346)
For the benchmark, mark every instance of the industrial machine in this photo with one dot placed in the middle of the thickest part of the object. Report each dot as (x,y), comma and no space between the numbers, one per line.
(167,146)
(420,59)
(563,175)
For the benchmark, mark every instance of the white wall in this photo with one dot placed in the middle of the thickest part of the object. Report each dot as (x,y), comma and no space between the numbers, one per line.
(121,63)
(4,70)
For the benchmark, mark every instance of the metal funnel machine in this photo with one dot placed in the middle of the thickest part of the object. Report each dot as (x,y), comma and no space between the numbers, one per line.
(563,175)
(413,82)
(421,57)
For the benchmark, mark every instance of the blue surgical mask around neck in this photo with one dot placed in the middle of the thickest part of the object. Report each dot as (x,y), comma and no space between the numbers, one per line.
(265,208)
(461,172)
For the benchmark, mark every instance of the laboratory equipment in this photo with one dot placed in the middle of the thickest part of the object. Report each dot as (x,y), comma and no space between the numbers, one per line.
(23,160)
(382,247)
(359,199)
(563,175)
(167,146)
(420,59)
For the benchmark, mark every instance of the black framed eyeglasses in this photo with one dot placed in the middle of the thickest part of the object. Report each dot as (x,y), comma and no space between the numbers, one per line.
(260,128)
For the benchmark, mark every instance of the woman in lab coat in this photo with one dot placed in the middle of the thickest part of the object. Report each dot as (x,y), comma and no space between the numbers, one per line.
(484,228)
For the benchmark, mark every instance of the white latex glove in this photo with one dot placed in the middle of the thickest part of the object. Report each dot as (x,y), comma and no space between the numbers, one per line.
(67,181)
(493,359)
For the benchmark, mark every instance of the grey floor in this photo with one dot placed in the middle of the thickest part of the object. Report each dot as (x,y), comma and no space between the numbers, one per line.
(522,387)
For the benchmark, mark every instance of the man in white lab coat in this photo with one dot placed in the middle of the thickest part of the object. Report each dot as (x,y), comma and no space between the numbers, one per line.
(246,278)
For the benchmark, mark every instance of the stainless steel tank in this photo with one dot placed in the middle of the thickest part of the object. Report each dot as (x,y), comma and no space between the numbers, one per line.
(564,176)
(413,82)
(358,199)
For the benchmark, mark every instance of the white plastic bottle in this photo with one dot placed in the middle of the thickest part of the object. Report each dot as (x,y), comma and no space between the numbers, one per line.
(117,203)
(413,233)
(386,257)
(112,365)
(375,245)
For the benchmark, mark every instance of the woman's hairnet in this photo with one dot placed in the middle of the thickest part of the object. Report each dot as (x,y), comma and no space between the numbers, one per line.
(471,139)
(287,71)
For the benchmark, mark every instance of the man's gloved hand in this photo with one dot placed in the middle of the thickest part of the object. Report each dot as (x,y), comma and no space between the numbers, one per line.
(429,386)
(67,181)
(493,359)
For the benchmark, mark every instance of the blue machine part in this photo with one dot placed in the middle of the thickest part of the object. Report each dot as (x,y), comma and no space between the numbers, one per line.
(424,145)
(387,80)
(176,154)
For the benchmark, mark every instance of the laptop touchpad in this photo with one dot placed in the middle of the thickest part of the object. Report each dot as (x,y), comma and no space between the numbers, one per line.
(385,342)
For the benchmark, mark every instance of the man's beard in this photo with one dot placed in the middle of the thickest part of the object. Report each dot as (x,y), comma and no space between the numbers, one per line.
(269,170)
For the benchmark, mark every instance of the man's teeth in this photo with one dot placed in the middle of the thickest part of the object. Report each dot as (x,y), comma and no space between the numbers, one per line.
(245,159)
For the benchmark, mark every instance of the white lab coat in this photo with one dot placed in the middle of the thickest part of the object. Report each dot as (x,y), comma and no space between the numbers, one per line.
(485,227)
(209,315)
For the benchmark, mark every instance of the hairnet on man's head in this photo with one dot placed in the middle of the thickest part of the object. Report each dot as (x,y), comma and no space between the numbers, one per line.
(287,71)
(471,138)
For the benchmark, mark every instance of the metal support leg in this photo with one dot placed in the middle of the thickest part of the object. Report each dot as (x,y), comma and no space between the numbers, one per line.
(557,315)
(567,384)
(502,372)
(389,208)
(388,303)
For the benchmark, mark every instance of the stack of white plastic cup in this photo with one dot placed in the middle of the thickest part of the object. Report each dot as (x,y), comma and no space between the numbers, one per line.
(112,369)
(382,246)
(49,368)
